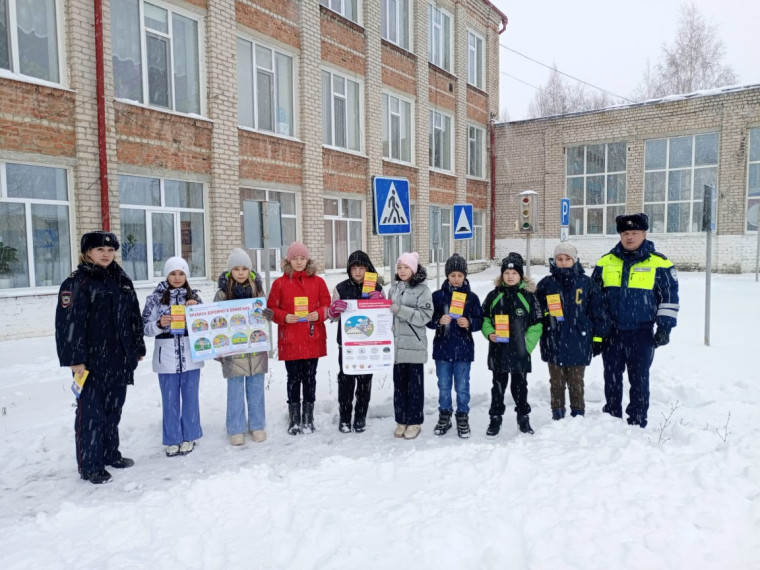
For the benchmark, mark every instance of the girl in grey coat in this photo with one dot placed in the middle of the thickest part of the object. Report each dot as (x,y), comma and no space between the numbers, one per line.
(412,309)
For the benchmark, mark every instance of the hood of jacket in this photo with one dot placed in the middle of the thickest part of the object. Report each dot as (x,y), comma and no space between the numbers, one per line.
(417,278)
(526,283)
(447,288)
(241,291)
(566,272)
(99,272)
(287,268)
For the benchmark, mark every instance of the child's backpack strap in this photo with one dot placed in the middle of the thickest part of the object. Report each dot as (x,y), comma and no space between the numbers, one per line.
(496,300)
(524,301)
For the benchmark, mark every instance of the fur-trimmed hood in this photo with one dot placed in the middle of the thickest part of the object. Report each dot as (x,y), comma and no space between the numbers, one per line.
(417,278)
(287,268)
(527,283)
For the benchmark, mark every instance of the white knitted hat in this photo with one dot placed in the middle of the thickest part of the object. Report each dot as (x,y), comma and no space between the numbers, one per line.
(174,263)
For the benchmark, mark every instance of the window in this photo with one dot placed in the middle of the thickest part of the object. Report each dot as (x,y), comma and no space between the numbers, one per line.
(265,88)
(394,22)
(156,55)
(753,181)
(35,243)
(397,128)
(440,141)
(475,60)
(475,248)
(475,139)
(439,37)
(343,230)
(346,8)
(596,187)
(29,43)
(340,111)
(676,171)
(440,234)
(394,246)
(287,201)
(159,219)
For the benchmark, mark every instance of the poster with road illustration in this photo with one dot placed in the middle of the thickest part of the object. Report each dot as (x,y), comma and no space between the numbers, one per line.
(367,327)
(227,327)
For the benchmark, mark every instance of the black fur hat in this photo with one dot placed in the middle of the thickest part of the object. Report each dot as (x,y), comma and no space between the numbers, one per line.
(99,239)
(456,263)
(627,222)
(513,261)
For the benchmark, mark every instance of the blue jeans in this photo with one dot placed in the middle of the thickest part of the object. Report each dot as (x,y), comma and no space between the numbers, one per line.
(240,390)
(458,374)
(182,416)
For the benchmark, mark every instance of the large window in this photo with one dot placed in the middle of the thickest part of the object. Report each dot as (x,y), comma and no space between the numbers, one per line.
(475,60)
(340,111)
(439,37)
(475,246)
(440,234)
(35,244)
(440,141)
(29,42)
(676,170)
(394,246)
(346,8)
(265,88)
(394,22)
(753,181)
(596,187)
(287,201)
(397,128)
(161,218)
(156,55)
(343,230)
(475,143)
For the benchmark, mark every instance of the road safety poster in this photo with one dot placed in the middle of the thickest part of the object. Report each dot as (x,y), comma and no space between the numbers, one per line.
(227,327)
(367,334)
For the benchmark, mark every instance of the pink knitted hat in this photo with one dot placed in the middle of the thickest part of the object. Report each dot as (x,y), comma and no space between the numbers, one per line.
(297,248)
(411,259)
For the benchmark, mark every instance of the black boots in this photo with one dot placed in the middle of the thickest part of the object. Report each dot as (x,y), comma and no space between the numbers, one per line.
(494,426)
(97,477)
(360,423)
(345,424)
(308,418)
(294,418)
(444,423)
(463,425)
(523,422)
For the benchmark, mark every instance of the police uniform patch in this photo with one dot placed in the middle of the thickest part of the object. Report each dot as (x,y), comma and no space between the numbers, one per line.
(65,299)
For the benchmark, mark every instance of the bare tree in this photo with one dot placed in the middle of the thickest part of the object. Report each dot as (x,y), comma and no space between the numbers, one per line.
(557,97)
(694,61)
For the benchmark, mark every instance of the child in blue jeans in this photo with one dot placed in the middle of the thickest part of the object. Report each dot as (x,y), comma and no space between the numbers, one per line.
(453,347)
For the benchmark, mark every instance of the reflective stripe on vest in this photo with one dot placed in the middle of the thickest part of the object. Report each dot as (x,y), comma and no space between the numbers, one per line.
(640,275)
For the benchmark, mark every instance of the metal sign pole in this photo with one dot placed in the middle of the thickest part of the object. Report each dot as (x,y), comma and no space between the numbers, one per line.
(527,255)
(265,235)
(707,227)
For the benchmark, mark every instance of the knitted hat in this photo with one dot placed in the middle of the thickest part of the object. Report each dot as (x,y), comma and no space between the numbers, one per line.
(627,222)
(175,263)
(411,259)
(513,261)
(99,239)
(456,263)
(566,248)
(296,249)
(238,258)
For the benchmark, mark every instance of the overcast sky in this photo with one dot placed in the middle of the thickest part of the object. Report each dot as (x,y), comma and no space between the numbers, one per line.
(607,42)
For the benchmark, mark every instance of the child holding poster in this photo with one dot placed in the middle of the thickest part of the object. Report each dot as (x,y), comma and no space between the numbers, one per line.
(244,372)
(178,376)
(300,303)
(363,283)
(456,315)
(412,308)
(512,323)
(574,325)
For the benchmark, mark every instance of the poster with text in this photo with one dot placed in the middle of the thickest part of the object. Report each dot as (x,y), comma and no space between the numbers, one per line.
(367,334)
(227,327)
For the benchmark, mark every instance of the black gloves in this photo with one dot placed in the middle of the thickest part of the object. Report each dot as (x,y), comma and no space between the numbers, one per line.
(597,347)
(661,337)
(268,314)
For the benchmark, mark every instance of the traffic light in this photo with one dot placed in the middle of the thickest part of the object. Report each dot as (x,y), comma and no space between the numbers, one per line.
(528,211)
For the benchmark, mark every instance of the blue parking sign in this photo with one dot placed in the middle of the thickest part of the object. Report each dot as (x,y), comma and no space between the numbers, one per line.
(391,205)
(564,217)
(463,221)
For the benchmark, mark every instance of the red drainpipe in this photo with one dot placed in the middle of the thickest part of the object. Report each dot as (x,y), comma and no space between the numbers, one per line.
(493,155)
(101,97)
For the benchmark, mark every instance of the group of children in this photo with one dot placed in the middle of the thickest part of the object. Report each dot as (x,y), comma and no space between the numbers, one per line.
(565,311)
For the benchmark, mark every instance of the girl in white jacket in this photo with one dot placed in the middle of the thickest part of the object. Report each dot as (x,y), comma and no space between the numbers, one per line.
(178,375)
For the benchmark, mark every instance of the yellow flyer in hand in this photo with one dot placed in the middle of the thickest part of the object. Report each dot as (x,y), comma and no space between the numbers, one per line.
(78,383)
(301,305)
(177,325)
(456,309)
(555,307)
(501,324)
(370,282)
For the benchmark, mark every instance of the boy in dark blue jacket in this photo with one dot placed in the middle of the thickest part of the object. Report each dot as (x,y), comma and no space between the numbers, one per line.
(453,347)
(575,324)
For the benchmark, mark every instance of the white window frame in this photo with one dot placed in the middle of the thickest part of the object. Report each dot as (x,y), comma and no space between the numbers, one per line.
(438,49)
(258,255)
(476,245)
(388,115)
(476,59)
(14,72)
(753,176)
(342,216)
(201,49)
(479,165)
(446,235)
(434,114)
(391,11)
(360,110)
(255,68)
(340,7)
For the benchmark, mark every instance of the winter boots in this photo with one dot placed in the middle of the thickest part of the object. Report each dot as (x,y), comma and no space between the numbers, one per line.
(463,425)
(307,425)
(444,423)
(97,477)
(360,423)
(294,418)
(523,422)
(558,414)
(494,426)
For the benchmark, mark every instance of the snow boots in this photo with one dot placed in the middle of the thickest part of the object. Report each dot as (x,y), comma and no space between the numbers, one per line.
(97,477)
(345,424)
(463,425)
(494,426)
(294,418)
(444,423)
(307,425)
(360,423)
(523,422)
(558,414)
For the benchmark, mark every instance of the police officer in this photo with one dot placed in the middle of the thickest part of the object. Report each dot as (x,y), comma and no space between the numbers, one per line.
(98,328)
(641,289)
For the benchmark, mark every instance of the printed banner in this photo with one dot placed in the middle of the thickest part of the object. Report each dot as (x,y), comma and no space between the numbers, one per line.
(367,333)
(227,327)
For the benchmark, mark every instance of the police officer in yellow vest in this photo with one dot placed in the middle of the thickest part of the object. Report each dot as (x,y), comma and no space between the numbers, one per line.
(640,286)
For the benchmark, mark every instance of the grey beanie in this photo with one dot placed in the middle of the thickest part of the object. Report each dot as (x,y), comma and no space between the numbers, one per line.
(238,258)
(565,247)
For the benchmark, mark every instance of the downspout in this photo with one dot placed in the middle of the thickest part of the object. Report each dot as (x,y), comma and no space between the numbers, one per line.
(493,160)
(101,100)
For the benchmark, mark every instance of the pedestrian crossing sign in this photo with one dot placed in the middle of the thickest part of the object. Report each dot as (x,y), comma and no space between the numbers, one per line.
(463,221)
(391,205)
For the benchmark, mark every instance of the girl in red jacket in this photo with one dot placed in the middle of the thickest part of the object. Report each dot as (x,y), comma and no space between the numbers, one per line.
(300,302)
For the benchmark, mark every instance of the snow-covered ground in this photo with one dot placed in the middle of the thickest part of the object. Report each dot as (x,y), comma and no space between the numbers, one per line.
(581,493)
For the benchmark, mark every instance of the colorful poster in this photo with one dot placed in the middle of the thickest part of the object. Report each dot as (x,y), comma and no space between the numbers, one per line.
(367,333)
(227,327)
(458,300)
